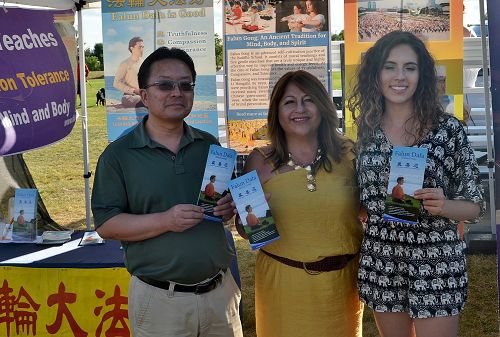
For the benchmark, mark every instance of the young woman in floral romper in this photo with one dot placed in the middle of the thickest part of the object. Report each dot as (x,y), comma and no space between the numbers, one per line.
(413,276)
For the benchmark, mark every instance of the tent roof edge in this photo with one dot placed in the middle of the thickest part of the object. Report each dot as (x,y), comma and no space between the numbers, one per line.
(56,4)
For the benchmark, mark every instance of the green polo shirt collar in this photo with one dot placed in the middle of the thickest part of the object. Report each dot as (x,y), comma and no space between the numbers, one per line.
(141,138)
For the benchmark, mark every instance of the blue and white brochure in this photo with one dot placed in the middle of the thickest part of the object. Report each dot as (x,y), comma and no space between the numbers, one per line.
(253,209)
(405,177)
(24,227)
(218,171)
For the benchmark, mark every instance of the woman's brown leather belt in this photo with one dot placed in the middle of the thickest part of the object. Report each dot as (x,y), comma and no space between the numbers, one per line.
(329,263)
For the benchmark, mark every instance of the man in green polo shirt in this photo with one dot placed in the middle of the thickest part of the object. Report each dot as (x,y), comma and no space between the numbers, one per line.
(145,190)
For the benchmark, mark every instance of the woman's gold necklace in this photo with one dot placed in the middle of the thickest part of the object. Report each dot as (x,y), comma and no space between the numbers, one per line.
(310,174)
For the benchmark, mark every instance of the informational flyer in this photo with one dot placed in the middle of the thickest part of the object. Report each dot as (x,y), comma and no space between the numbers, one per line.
(132,31)
(54,237)
(405,177)
(261,44)
(91,238)
(218,171)
(254,212)
(24,227)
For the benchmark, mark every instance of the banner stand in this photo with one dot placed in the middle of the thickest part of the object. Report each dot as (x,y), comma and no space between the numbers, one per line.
(83,105)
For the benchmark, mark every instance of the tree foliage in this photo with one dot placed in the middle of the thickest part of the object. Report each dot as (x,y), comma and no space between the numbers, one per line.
(339,36)
(97,53)
(93,63)
(219,59)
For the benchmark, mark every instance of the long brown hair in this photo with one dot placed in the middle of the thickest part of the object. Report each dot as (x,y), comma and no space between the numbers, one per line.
(330,140)
(367,103)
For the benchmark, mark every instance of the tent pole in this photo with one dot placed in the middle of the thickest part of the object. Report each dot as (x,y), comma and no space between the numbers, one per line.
(83,101)
(489,122)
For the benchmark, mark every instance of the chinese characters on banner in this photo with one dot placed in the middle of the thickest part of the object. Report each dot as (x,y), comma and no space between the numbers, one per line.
(134,29)
(37,86)
(69,302)
(261,44)
(437,22)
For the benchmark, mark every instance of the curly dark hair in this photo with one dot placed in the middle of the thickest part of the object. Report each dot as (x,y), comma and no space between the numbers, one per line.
(367,103)
(330,140)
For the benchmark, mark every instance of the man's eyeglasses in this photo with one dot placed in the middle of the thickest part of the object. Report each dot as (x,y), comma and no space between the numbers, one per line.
(168,85)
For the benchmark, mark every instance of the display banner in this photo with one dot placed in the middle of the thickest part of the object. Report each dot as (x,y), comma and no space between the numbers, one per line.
(47,302)
(494,44)
(437,22)
(133,30)
(37,85)
(261,44)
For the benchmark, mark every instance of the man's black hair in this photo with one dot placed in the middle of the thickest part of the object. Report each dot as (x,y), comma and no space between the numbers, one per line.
(163,53)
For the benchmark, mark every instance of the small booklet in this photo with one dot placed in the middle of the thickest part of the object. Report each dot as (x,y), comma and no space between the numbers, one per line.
(253,209)
(24,227)
(218,171)
(91,238)
(405,177)
(54,237)
(5,232)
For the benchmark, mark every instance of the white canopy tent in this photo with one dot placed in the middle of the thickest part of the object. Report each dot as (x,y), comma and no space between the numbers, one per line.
(77,6)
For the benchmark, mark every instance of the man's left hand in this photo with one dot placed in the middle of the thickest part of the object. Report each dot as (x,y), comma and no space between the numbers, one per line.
(225,207)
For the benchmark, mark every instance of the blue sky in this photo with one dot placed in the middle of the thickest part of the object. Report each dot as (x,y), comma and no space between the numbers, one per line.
(92,29)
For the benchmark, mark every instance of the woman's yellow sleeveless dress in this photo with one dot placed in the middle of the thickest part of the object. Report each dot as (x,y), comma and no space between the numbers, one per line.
(290,302)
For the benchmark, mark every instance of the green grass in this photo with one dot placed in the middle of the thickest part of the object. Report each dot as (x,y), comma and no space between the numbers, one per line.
(58,169)
(336,80)
(96,74)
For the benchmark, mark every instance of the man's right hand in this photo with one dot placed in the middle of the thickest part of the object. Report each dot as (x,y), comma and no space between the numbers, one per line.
(239,227)
(183,216)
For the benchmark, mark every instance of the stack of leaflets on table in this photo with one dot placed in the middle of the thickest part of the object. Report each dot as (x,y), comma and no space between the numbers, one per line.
(5,232)
(25,210)
(91,238)
(6,223)
(55,237)
(218,171)
(405,177)
(253,209)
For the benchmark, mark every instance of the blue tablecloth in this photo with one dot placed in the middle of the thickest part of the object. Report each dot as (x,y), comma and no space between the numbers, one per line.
(68,255)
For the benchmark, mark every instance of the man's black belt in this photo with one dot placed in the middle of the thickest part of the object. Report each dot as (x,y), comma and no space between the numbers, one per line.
(199,288)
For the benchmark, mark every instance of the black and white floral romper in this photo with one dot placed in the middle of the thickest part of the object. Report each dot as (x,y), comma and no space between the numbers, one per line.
(417,268)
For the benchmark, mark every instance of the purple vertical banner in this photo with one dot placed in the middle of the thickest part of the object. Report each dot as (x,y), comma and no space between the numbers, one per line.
(37,87)
(494,41)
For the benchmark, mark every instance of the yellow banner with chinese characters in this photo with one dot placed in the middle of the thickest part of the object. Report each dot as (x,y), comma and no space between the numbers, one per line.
(64,302)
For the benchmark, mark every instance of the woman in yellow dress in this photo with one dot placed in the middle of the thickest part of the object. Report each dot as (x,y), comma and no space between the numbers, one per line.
(305,282)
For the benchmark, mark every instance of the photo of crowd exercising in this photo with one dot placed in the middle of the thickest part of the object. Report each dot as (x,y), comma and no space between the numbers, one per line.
(428,19)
